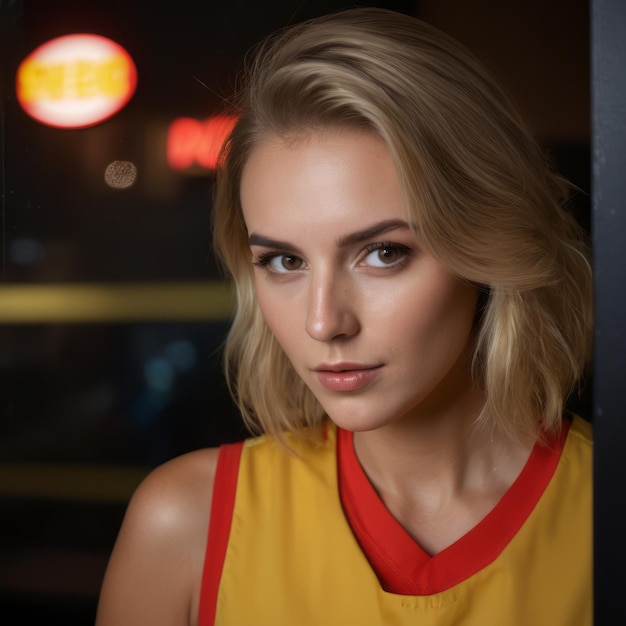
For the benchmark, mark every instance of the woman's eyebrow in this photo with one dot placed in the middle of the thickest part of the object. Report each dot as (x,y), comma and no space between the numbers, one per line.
(267,242)
(344,241)
(371,231)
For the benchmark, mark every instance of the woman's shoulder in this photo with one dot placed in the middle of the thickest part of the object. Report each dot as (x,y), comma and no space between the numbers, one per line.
(173,493)
(157,561)
(173,502)
(179,482)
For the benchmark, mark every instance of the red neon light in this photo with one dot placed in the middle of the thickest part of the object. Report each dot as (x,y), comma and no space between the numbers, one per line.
(193,142)
(75,81)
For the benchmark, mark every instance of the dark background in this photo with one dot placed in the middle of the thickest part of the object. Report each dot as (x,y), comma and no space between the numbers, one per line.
(88,407)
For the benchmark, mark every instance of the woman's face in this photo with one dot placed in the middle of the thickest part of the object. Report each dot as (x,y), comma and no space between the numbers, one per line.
(373,323)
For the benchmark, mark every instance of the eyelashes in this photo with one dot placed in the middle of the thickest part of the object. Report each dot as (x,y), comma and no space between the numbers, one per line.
(386,255)
(279,262)
(379,256)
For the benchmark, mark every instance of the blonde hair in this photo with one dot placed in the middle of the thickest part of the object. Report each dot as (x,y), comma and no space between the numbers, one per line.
(478,188)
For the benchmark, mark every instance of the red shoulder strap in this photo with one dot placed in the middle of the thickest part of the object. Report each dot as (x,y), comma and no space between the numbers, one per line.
(222,505)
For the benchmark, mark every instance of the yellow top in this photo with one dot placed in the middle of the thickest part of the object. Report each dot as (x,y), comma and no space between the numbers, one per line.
(292,558)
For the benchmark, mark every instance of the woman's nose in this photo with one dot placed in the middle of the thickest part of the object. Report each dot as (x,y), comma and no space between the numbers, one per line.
(331,310)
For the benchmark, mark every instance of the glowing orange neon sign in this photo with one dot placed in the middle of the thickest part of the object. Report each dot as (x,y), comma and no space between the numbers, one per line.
(76,81)
(193,142)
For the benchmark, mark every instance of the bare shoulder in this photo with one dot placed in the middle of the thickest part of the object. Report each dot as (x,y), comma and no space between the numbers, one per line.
(155,568)
(170,497)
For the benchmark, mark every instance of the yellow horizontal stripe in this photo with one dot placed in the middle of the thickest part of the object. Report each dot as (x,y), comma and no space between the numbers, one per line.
(115,302)
(76,483)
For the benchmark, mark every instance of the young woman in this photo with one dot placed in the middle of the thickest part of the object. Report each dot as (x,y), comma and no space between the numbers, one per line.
(413,312)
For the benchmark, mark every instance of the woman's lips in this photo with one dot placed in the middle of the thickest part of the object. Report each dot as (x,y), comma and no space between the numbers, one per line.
(349,378)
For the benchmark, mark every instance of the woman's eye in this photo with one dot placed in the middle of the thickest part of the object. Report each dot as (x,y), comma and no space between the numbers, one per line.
(281,263)
(385,255)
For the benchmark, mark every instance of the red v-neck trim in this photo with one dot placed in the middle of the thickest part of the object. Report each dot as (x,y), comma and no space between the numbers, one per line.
(401,565)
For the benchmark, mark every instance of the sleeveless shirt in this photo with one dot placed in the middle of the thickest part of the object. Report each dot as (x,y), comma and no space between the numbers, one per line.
(305,540)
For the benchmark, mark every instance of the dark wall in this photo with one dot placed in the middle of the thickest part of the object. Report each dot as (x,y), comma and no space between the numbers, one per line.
(609,226)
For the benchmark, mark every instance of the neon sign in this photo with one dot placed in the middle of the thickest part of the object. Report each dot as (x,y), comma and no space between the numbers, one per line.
(76,81)
(192,143)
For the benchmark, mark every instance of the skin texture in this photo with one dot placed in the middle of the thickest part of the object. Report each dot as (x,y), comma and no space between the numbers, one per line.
(378,329)
(393,311)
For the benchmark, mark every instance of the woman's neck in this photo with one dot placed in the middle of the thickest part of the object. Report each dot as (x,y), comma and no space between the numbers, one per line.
(440,474)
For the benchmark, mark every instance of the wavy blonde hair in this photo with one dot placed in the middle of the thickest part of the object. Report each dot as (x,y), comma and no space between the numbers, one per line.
(478,188)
